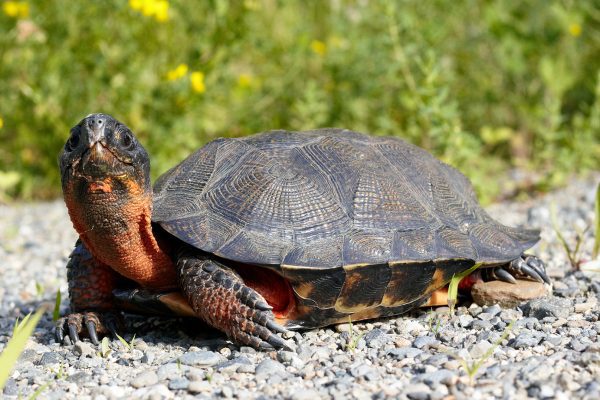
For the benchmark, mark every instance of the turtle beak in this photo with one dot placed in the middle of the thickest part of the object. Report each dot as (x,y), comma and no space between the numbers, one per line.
(94,126)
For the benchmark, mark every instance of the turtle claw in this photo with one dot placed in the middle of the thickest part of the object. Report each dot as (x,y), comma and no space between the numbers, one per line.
(89,323)
(503,275)
(529,266)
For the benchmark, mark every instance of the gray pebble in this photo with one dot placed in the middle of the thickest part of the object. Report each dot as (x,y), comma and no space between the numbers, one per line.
(84,349)
(547,307)
(268,367)
(179,384)
(440,376)
(404,352)
(376,338)
(146,378)
(201,358)
(50,357)
(425,341)
(526,340)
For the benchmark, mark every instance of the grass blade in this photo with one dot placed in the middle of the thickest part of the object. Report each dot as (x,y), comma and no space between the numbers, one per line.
(560,237)
(56,313)
(597,229)
(453,286)
(16,344)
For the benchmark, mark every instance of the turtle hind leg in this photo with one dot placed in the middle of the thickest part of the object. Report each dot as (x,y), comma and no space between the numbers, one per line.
(219,296)
(527,265)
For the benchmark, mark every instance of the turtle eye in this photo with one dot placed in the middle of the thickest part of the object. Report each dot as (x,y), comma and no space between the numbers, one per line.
(126,140)
(73,141)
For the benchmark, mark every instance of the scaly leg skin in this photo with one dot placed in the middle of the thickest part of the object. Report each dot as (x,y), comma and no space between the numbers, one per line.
(92,304)
(527,265)
(219,297)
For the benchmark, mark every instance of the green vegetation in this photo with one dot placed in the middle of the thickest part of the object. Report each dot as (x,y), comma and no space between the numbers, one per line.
(15,346)
(128,345)
(486,86)
(453,286)
(353,337)
(574,254)
(104,348)
(472,367)
(596,249)
(56,311)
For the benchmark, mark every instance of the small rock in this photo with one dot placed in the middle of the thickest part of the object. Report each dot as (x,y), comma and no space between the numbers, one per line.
(199,387)
(179,384)
(465,320)
(507,294)
(440,376)
(146,378)
(425,341)
(170,371)
(479,349)
(268,367)
(525,340)
(148,357)
(585,307)
(233,365)
(304,394)
(84,349)
(11,388)
(227,392)
(201,358)
(376,338)
(550,307)
(405,352)
(79,378)
(50,357)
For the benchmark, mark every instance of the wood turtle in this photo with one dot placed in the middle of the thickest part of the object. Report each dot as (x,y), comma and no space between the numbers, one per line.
(280,230)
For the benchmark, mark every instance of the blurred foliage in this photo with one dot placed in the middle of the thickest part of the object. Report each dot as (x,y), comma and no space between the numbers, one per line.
(488,86)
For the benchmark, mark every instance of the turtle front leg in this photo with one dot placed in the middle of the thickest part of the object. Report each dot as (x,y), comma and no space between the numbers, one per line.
(92,302)
(219,296)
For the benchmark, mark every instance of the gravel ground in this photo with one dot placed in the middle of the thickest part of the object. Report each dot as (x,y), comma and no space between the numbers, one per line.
(552,351)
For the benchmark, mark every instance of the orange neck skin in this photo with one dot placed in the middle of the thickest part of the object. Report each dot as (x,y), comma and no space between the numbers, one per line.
(117,229)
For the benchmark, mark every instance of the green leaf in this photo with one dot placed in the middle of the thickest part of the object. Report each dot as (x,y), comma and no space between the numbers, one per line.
(597,229)
(453,286)
(56,312)
(16,344)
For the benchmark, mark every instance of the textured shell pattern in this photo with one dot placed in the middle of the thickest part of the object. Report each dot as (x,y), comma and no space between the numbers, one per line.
(326,199)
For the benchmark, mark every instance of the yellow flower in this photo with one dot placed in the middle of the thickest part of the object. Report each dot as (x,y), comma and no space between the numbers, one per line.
(136,4)
(161,10)
(318,47)
(16,9)
(197,81)
(1,122)
(244,80)
(575,29)
(177,73)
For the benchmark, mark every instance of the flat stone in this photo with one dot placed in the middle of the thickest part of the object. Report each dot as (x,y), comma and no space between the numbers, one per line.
(199,387)
(440,376)
(376,338)
(146,378)
(507,294)
(201,358)
(404,352)
(550,307)
(526,340)
(179,384)
(268,367)
(425,341)
(84,349)
(50,357)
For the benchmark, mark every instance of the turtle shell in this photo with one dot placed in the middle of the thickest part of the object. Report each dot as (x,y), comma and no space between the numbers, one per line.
(374,212)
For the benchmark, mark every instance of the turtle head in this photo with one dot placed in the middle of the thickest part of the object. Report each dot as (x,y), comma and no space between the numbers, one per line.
(103,156)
